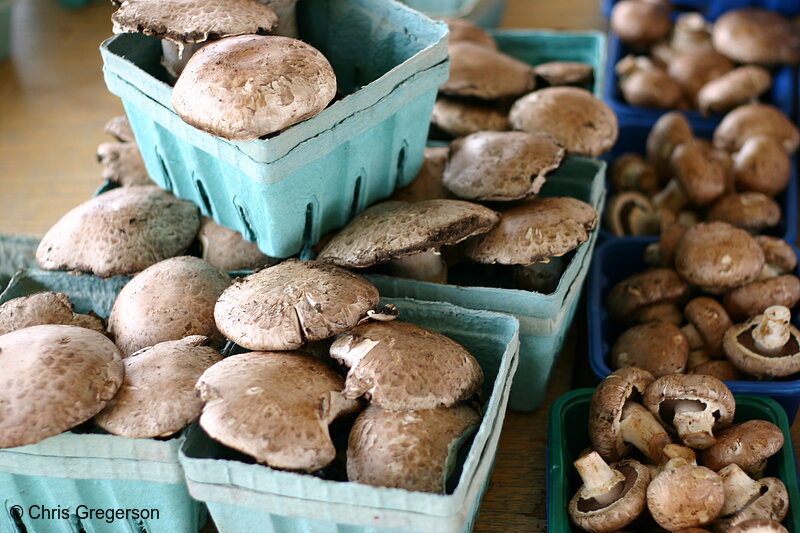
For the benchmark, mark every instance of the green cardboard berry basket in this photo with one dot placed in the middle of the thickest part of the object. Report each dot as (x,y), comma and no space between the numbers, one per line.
(251,497)
(76,472)
(5,28)
(568,436)
(486,13)
(292,187)
(17,252)
(544,318)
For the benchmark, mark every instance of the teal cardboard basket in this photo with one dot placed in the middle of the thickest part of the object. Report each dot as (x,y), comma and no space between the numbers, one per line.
(568,436)
(486,13)
(251,497)
(78,472)
(544,318)
(17,252)
(5,28)
(289,189)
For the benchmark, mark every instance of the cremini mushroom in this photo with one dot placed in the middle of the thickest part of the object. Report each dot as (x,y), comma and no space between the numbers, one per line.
(754,298)
(227,250)
(631,213)
(685,496)
(752,211)
(633,294)
(35,310)
(631,171)
(123,164)
(733,88)
(695,68)
(401,366)
(481,72)
(755,35)
(690,33)
(287,17)
(753,120)
(428,183)
(701,179)
(411,450)
(779,257)
(707,322)
(640,24)
(766,346)
(54,377)
(168,301)
(762,165)
(658,347)
(157,396)
(120,128)
(746,499)
(465,30)
(644,84)
(555,73)
(670,130)
(748,445)
(723,370)
(459,118)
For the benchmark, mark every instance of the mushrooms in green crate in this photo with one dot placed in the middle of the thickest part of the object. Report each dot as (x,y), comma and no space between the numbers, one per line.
(747,499)
(427,185)
(748,445)
(464,30)
(459,118)
(123,164)
(685,496)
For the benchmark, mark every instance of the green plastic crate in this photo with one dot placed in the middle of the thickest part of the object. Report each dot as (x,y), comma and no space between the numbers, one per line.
(93,470)
(544,318)
(568,436)
(5,28)
(486,13)
(250,497)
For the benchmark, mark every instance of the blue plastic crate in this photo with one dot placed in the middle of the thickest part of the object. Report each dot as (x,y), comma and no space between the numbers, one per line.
(289,189)
(486,13)
(5,28)
(544,318)
(616,260)
(714,8)
(568,436)
(252,497)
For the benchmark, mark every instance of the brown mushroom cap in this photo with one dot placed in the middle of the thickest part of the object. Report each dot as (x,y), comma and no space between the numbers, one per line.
(286,305)
(120,232)
(658,347)
(683,497)
(227,250)
(670,130)
(701,178)
(753,35)
(643,289)
(752,211)
(754,298)
(157,397)
(778,254)
(564,72)
(123,164)
(482,72)
(650,87)
(711,321)
(401,367)
(409,450)
(35,310)
(631,171)
(464,30)
(733,88)
(392,230)
(120,128)
(695,68)
(274,406)
(746,357)
(746,444)
(640,24)
(54,377)
(535,230)
(578,120)
(167,301)
(723,370)
(754,120)
(190,21)
(428,183)
(241,88)
(460,118)
(762,165)
(717,256)
(500,166)
(758,525)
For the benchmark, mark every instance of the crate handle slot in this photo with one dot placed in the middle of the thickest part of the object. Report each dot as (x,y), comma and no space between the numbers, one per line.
(308,229)
(16,518)
(354,207)
(201,190)
(244,218)
(168,184)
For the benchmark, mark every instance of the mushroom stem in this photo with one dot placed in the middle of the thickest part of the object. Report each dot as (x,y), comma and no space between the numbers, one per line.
(176,55)
(424,266)
(693,336)
(740,489)
(671,198)
(694,424)
(772,332)
(601,482)
(640,428)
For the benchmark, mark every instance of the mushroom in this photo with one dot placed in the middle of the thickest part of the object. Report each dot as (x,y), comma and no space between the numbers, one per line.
(555,73)
(644,84)
(716,256)
(766,346)
(411,450)
(617,420)
(733,88)
(631,171)
(695,68)
(707,323)
(500,166)
(658,347)
(690,33)
(400,367)
(662,253)
(184,25)
(34,310)
(723,370)
(670,130)
(465,30)
(119,232)
(779,257)
(685,496)
(481,72)
(754,298)
(758,525)
(428,183)
(242,88)
(611,497)
(460,118)
(752,211)
(748,445)
(227,250)
(120,128)
(663,312)
(631,213)
(753,120)
(157,396)
(747,499)
(274,406)
(753,35)
(168,301)
(762,165)
(633,294)
(284,306)
(577,119)
(123,164)
(698,179)
(640,24)
(52,378)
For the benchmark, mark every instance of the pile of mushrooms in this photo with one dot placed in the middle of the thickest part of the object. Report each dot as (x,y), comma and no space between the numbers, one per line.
(694,64)
(665,451)
(719,305)
(682,180)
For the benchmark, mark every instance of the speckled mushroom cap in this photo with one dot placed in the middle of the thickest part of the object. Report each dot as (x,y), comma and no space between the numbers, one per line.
(52,378)
(644,289)
(778,254)
(227,250)
(578,120)
(534,231)
(752,211)
(482,72)
(274,406)
(717,256)
(120,128)
(460,118)
(754,120)
(754,35)
(684,497)
(392,230)
(123,164)
(409,450)
(605,410)
(120,232)
(193,21)
(464,30)
(746,444)
(670,130)
(758,525)
(428,183)
(500,166)
(294,302)
(168,301)
(710,320)
(754,298)
(245,87)
(742,352)
(35,310)
(733,88)
(658,347)
(157,397)
(556,73)
(762,165)
(702,178)
(401,367)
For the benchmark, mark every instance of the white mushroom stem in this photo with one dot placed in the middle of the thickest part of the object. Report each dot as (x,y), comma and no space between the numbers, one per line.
(694,424)
(693,336)
(600,481)
(772,333)
(176,55)
(677,455)
(640,428)
(671,198)
(424,266)
(740,489)
(770,271)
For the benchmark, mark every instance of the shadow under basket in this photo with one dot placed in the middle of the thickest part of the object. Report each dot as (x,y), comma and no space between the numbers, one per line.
(253,497)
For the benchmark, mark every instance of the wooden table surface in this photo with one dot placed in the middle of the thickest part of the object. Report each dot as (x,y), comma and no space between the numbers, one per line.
(53,104)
